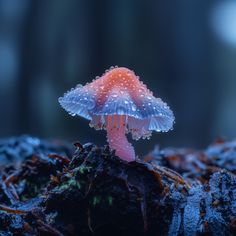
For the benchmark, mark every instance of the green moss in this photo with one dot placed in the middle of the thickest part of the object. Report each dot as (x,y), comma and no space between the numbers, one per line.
(110,200)
(82,169)
(69,184)
(96,200)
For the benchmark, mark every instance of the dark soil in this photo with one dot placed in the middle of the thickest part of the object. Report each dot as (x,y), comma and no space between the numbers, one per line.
(45,190)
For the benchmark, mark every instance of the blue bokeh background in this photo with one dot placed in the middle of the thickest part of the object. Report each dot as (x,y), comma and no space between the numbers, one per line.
(185,51)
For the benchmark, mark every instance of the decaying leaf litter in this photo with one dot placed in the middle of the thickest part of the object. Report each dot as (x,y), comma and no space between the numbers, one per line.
(54,188)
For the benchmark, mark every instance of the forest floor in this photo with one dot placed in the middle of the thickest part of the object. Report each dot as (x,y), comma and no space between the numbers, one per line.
(56,188)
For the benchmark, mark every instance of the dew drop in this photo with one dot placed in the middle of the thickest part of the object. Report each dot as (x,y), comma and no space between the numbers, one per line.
(121,110)
(78,86)
(133,108)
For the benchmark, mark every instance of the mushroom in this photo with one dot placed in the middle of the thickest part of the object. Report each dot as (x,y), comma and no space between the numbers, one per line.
(119,103)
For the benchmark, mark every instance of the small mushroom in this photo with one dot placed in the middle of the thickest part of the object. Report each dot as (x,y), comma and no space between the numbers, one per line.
(119,103)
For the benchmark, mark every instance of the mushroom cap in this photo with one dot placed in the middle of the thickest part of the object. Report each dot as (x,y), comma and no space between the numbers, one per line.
(119,92)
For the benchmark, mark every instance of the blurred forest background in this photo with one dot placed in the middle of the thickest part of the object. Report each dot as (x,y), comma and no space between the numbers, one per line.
(185,51)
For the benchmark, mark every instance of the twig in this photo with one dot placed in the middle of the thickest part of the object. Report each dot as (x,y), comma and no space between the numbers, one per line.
(12,210)
(48,228)
(64,160)
(89,221)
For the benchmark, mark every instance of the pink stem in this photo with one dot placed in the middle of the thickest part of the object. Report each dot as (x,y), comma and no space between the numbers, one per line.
(118,142)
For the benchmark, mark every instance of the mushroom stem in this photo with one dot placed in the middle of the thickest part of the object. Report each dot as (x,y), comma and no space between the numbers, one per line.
(117,139)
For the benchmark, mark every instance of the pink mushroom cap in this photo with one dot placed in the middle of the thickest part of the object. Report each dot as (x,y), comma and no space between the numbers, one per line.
(118,98)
